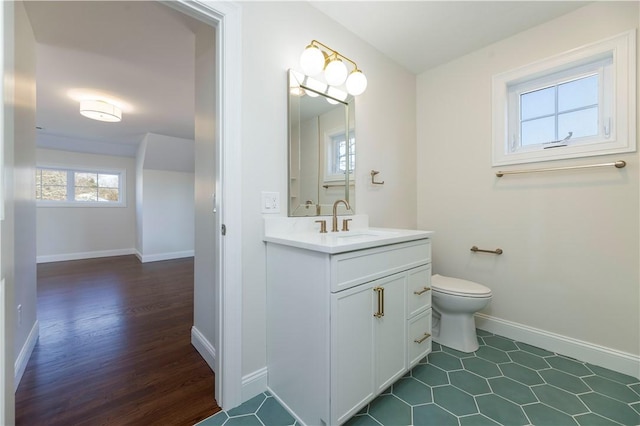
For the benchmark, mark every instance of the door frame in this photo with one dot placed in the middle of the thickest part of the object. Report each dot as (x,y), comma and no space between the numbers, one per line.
(225,17)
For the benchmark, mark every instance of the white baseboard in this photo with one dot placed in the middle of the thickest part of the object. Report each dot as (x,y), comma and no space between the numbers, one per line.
(612,359)
(84,255)
(254,383)
(144,258)
(204,347)
(25,354)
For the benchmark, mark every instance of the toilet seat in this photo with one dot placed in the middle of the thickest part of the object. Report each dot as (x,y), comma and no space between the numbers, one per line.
(458,287)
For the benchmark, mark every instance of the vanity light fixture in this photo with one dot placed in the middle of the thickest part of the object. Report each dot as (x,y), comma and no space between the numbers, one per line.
(100,110)
(318,57)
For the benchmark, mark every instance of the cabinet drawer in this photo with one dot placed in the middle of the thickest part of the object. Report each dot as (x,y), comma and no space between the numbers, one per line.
(419,290)
(357,267)
(419,337)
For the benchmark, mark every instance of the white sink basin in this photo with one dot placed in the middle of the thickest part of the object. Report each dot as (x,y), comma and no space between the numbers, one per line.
(364,233)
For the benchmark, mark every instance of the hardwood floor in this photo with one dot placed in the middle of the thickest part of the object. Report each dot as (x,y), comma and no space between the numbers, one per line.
(114,347)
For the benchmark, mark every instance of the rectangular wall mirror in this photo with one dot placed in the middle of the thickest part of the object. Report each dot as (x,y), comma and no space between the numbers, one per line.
(322,154)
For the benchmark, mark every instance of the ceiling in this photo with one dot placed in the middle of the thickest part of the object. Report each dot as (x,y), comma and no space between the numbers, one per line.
(141,55)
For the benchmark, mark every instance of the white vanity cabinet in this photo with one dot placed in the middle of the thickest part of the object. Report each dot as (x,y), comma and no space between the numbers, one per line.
(342,327)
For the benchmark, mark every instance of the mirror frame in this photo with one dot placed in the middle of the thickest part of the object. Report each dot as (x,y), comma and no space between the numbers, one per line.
(300,84)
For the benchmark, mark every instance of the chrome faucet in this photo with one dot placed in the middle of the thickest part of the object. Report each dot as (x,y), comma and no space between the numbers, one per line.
(334,225)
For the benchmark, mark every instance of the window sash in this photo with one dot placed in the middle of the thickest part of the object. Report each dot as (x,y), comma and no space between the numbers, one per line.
(92,191)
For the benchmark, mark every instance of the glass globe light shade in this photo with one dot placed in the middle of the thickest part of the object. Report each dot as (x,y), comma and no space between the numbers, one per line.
(312,60)
(332,101)
(356,83)
(336,72)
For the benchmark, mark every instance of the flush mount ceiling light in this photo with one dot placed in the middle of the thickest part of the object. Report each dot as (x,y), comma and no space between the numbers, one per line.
(318,57)
(101,111)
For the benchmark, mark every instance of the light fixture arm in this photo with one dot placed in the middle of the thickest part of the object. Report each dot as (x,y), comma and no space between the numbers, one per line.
(333,52)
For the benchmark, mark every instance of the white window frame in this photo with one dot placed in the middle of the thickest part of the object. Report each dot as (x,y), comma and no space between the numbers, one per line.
(122,173)
(620,135)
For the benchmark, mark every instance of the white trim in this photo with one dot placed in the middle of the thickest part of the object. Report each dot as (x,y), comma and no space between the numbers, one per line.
(164,256)
(612,359)
(204,347)
(226,16)
(85,255)
(254,384)
(25,354)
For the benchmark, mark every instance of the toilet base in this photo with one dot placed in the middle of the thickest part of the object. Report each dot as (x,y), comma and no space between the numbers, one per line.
(457,332)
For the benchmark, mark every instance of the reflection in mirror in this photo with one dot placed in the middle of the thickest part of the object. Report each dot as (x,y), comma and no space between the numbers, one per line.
(321,147)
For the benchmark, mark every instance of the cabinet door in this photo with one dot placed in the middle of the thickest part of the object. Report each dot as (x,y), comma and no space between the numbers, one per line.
(419,290)
(390,329)
(419,339)
(352,371)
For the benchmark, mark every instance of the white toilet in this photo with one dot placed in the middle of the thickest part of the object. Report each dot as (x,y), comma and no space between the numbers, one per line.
(454,303)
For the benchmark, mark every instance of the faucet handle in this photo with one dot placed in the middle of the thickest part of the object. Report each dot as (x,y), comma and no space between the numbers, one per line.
(345,224)
(323,226)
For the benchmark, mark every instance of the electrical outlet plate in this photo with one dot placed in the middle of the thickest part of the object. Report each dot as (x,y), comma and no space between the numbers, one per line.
(270,202)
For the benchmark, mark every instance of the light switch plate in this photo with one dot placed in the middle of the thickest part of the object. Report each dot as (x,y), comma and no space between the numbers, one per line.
(270,202)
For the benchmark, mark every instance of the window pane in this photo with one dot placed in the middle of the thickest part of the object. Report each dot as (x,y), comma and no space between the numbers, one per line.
(86,179)
(578,93)
(582,123)
(84,193)
(54,192)
(538,131)
(54,177)
(538,103)
(108,194)
(108,181)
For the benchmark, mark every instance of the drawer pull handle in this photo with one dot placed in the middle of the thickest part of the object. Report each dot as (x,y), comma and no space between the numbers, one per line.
(423,338)
(380,291)
(424,290)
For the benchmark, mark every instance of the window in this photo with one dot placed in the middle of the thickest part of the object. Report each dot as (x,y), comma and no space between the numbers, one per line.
(337,154)
(76,187)
(577,104)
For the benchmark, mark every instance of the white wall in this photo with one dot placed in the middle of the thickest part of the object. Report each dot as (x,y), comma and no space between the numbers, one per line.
(385,117)
(80,232)
(570,239)
(168,215)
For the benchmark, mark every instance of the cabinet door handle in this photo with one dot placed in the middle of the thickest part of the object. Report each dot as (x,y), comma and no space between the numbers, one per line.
(424,290)
(380,291)
(423,338)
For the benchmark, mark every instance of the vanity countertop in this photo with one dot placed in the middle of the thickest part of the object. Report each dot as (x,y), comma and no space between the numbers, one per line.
(361,237)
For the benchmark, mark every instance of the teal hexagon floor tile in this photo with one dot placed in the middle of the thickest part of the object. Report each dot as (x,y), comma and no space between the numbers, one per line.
(445,361)
(512,390)
(361,420)
(389,410)
(492,354)
(501,410)
(528,360)
(412,391)
(435,347)
(568,366)
(272,413)
(635,388)
(635,406)
(454,400)
(533,349)
(477,420)
(480,332)
(469,382)
(217,419)
(561,400)
(564,381)
(248,420)
(431,414)
(430,375)
(521,374)
(592,419)
(248,407)
(482,367)
(613,375)
(612,389)
(541,415)
(500,342)
(611,408)
(457,353)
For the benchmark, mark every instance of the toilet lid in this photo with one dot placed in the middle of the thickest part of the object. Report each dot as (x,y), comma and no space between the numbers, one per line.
(458,287)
